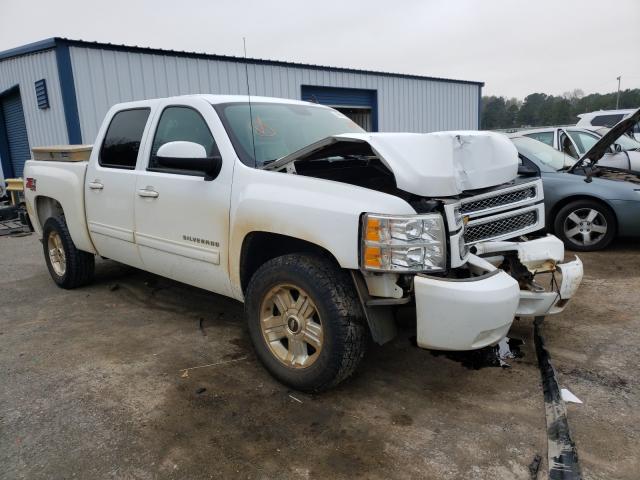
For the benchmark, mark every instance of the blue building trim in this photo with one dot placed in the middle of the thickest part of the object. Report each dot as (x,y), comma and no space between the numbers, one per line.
(34,47)
(54,42)
(68,92)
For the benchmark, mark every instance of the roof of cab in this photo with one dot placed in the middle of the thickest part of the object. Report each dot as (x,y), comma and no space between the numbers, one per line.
(214,100)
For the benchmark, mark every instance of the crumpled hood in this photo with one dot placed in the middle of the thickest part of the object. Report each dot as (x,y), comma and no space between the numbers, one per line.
(446,163)
(439,164)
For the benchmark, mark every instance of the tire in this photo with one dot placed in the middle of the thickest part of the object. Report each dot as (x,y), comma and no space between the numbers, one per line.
(68,266)
(585,225)
(329,323)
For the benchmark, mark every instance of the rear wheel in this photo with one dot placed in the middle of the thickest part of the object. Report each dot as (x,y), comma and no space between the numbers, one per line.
(305,321)
(585,225)
(68,266)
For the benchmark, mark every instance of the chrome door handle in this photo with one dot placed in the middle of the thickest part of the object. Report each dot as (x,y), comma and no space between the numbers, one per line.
(95,185)
(145,193)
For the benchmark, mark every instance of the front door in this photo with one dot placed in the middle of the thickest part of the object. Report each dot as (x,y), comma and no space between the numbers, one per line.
(182,220)
(110,187)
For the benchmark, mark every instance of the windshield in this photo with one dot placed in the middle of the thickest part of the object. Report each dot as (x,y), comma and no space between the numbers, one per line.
(279,128)
(539,152)
(627,143)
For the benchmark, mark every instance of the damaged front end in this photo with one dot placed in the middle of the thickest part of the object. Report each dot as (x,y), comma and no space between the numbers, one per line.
(451,259)
(546,285)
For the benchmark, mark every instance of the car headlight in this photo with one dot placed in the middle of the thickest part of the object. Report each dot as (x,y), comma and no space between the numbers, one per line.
(457,216)
(403,243)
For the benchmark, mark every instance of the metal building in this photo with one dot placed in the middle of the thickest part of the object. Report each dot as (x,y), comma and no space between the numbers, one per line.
(57,91)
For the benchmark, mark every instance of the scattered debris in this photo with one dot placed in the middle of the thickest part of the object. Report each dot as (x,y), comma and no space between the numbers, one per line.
(567,396)
(113,287)
(185,371)
(201,390)
(296,399)
(534,466)
(492,356)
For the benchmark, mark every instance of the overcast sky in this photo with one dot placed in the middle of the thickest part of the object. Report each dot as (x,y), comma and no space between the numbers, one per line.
(515,46)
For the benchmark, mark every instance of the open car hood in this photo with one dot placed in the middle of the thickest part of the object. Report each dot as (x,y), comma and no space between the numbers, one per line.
(437,164)
(598,150)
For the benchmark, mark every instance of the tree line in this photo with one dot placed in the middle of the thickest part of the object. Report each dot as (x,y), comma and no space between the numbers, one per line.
(539,109)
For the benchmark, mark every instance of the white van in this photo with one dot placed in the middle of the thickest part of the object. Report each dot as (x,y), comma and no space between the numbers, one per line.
(607,118)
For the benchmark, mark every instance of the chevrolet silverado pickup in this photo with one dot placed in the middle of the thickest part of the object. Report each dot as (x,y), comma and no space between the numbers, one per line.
(319,227)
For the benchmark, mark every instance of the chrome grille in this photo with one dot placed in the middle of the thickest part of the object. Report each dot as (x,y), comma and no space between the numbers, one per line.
(515,196)
(503,226)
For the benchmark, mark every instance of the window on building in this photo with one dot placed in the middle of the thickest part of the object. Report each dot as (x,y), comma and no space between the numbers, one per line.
(181,124)
(122,141)
(544,137)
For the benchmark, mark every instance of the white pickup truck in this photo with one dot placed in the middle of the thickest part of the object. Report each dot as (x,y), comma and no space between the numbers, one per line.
(320,228)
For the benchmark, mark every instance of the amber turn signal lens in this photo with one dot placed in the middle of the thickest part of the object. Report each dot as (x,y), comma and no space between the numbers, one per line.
(372,257)
(373,230)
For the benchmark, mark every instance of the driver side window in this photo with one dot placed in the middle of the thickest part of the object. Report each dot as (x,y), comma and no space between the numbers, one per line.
(181,124)
(566,146)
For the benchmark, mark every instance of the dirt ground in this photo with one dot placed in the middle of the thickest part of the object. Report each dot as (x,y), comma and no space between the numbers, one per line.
(91,386)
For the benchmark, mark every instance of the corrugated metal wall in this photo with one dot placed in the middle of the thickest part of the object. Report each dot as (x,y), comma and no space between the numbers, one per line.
(45,127)
(104,77)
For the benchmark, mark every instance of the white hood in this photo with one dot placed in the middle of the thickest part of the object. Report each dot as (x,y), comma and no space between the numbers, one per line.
(440,164)
(443,164)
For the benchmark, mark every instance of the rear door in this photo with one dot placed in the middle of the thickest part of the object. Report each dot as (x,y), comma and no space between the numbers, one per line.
(182,220)
(110,187)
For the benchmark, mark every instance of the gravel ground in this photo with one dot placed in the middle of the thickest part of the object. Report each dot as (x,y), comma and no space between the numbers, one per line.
(93,387)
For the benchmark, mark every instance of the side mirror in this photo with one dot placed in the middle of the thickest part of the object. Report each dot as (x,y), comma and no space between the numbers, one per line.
(182,155)
(617,148)
(527,170)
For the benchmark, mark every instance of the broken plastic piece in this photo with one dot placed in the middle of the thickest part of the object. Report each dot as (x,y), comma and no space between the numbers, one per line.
(567,396)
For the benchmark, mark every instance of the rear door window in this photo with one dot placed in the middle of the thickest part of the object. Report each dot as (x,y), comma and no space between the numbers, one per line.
(122,141)
(606,120)
(544,137)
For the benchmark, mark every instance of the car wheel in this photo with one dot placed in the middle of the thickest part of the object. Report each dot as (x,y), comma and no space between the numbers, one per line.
(305,321)
(68,266)
(585,225)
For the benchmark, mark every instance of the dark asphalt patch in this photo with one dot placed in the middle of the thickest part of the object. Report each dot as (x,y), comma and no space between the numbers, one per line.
(562,454)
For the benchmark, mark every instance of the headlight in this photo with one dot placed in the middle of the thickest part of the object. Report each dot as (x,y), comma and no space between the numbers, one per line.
(457,216)
(409,243)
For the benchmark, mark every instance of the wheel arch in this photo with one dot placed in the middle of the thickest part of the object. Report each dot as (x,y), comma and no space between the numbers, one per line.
(45,208)
(258,247)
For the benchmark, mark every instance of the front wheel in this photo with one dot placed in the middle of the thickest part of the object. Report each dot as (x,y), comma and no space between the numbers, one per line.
(305,321)
(585,225)
(68,266)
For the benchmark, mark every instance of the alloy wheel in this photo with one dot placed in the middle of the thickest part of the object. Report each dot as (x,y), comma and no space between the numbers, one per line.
(585,226)
(291,326)
(57,256)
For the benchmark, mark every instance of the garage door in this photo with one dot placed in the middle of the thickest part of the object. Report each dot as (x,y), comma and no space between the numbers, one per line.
(15,131)
(360,105)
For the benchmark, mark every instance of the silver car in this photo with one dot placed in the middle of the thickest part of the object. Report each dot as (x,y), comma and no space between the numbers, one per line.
(587,204)
(576,141)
